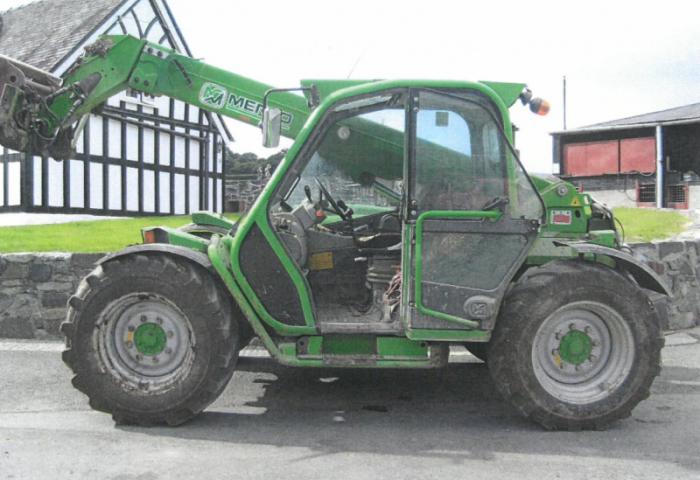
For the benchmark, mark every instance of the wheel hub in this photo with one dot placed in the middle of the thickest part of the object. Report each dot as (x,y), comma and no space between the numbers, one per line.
(575,347)
(150,339)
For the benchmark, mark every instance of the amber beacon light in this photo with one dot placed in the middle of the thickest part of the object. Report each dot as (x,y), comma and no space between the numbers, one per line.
(538,105)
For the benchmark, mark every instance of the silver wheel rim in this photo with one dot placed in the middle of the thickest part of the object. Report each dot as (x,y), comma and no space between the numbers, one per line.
(609,360)
(119,352)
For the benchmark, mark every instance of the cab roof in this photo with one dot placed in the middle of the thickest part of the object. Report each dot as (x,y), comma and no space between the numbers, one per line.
(507,92)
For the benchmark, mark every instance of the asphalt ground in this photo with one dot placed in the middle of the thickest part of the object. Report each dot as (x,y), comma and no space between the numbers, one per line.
(279,422)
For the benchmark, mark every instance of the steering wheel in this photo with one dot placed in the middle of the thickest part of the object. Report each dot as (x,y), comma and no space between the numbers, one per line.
(336,208)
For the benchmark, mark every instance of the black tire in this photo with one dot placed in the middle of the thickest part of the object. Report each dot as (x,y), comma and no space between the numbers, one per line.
(577,393)
(108,301)
(479,349)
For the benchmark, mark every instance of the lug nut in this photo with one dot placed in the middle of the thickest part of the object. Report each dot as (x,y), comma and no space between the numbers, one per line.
(155,359)
(572,326)
(555,352)
(591,358)
(131,328)
(168,350)
(139,358)
(129,344)
(587,330)
(143,319)
(557,335)
(159,320)
(171,334)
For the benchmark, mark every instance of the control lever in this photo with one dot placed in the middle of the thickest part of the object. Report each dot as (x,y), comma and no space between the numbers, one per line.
(347,211)
(307,192)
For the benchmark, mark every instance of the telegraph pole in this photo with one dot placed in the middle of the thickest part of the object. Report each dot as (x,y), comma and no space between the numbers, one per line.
(564,99)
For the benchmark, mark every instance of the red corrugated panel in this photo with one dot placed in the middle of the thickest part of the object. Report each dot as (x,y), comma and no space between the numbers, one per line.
(588,159)
(638,155)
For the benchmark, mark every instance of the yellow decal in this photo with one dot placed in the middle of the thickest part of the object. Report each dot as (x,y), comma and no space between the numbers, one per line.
(130,336)
(321,261)
(575,202)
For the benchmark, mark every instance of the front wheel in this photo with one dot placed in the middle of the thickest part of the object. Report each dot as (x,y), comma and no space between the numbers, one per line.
(151,339)
(576,346)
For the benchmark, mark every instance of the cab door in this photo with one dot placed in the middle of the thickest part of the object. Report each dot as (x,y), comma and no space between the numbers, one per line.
(473,212)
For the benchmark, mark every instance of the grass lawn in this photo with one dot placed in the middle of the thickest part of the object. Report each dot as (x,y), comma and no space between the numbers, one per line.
(87,237)
(643,224)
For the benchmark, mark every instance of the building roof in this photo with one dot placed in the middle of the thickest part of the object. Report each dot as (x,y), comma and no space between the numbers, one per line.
(43,33)
(678,115)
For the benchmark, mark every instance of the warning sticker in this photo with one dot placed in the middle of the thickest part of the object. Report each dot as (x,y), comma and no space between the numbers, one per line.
(321,261)
(561,217)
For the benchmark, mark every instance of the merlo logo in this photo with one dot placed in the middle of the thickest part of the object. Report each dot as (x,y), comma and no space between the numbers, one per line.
(213,95)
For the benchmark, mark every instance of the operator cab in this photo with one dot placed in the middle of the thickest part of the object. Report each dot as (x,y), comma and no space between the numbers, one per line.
(347,210)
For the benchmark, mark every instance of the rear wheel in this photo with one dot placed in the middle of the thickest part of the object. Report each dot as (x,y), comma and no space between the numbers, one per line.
(576,346)
(151,338)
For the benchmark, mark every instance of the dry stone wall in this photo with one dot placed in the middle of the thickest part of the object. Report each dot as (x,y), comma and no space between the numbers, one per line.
(678,264)
(34,290)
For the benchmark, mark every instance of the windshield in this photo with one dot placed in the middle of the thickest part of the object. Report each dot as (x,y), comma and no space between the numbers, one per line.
(463,160)
(360,157)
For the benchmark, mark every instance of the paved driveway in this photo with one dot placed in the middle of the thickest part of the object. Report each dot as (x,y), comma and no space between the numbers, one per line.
(274,422)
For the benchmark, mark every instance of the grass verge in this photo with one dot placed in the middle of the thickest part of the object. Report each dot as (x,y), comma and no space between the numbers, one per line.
(644,224)
(86,237)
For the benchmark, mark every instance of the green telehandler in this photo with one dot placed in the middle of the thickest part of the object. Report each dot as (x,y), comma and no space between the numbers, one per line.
(399,223)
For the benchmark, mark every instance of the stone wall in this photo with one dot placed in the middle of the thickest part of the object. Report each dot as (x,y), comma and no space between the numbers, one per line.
(34,289)
(678,264)
(616,198)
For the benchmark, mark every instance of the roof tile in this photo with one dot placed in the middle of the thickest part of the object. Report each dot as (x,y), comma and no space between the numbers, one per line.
(44,32)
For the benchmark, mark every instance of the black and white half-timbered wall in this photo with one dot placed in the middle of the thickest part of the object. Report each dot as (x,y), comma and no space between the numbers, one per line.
(140,155)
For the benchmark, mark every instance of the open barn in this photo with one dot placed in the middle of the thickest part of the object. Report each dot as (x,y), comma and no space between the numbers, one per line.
(645,160)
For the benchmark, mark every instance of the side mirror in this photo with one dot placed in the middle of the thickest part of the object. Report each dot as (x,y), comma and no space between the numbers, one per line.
(271,127)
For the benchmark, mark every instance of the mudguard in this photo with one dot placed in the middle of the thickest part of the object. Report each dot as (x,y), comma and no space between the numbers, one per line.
(645,276)
(192,255)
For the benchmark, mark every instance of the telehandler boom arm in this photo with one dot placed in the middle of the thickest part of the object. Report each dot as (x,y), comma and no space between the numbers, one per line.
(38,112)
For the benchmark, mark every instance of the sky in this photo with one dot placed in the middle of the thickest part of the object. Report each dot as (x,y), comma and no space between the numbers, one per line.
(620,58)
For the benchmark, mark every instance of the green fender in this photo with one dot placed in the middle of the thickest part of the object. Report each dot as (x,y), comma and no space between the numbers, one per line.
(645,276)
(199,258)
